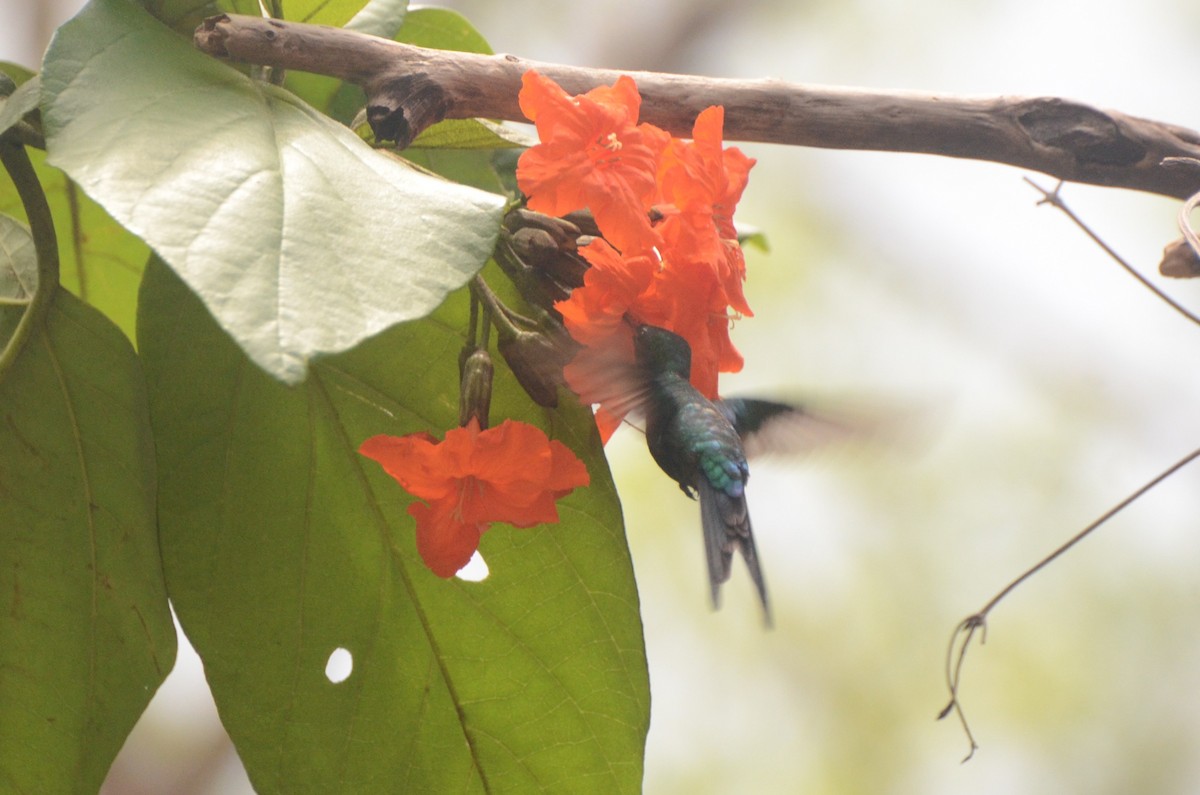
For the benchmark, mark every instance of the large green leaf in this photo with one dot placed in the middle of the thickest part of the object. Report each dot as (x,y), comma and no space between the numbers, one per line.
(282,544)
(85,632)
(299,238)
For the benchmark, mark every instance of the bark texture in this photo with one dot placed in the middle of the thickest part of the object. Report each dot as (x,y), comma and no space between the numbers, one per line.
(409,88)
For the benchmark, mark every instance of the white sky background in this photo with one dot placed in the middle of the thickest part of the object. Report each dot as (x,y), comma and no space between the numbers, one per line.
(1048,383)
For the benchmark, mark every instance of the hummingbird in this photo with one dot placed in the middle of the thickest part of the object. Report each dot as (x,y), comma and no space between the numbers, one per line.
(702,445)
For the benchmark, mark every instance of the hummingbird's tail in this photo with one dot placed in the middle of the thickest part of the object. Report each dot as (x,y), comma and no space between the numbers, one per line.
(726,523)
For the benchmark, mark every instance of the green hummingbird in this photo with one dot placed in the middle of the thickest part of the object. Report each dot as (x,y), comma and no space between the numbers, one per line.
(702,444)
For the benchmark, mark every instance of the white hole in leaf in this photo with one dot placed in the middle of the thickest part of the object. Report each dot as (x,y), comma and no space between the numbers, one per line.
(475,570)
(339,666)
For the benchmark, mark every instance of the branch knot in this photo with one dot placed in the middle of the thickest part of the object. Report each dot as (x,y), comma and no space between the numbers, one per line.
(400,108)
(1090,136)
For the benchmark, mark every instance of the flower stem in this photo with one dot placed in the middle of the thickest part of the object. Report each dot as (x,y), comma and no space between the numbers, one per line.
(500,315)
(45,243)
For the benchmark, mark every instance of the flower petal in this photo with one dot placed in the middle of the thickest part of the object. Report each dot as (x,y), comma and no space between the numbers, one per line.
(416,461)
(519,474)
(444,543)
(610,287)
(593,154)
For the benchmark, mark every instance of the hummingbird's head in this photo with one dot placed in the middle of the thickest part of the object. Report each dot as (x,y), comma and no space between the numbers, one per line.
(662,351)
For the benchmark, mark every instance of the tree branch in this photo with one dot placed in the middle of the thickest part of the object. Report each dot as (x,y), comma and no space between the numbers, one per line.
(409,88)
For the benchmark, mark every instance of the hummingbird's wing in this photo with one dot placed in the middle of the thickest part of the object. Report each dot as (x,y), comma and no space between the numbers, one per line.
(769,427)
(726,522)
(609,377)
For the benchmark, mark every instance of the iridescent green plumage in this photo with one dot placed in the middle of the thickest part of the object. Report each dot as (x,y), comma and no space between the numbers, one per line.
(698,442)
(703,444)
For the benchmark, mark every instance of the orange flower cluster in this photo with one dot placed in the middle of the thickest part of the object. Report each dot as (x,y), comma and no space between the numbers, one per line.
(683,272)
(511,473)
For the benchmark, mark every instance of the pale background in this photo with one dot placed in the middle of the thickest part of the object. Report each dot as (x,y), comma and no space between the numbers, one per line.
(1049,384)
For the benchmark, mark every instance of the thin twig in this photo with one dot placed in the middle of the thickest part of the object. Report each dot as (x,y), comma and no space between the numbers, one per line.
(978,621)
(1054,199)
(1185,222)
(965,630)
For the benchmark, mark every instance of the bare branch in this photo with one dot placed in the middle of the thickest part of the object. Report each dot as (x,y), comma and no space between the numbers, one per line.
(409,88)
(966,629)
(1052,198)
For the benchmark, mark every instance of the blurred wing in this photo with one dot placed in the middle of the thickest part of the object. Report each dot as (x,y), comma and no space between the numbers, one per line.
(767,427)
(610,378)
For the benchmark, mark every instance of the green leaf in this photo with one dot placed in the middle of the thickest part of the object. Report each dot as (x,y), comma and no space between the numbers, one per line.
(182,16)
(18,275)
(18,262)
(282,544)
(100,261)
(17,73)
(473,134)
(14,106)
(85,632)
(299,238)
(317,12)
(380,18)
(472,168)
(442,29)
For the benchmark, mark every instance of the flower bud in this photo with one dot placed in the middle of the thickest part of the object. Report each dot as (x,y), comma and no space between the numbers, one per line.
(534,246)
(537,362)
(584,221)
(475,388)
(564,232)
(558,267)
(1179,261)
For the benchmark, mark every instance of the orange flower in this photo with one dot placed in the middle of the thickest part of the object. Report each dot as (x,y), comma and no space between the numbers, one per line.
(593,154)
(684,297)
(511,473)
(688,299)
(611,286)
(704,182)
(685,274)
(595,316)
